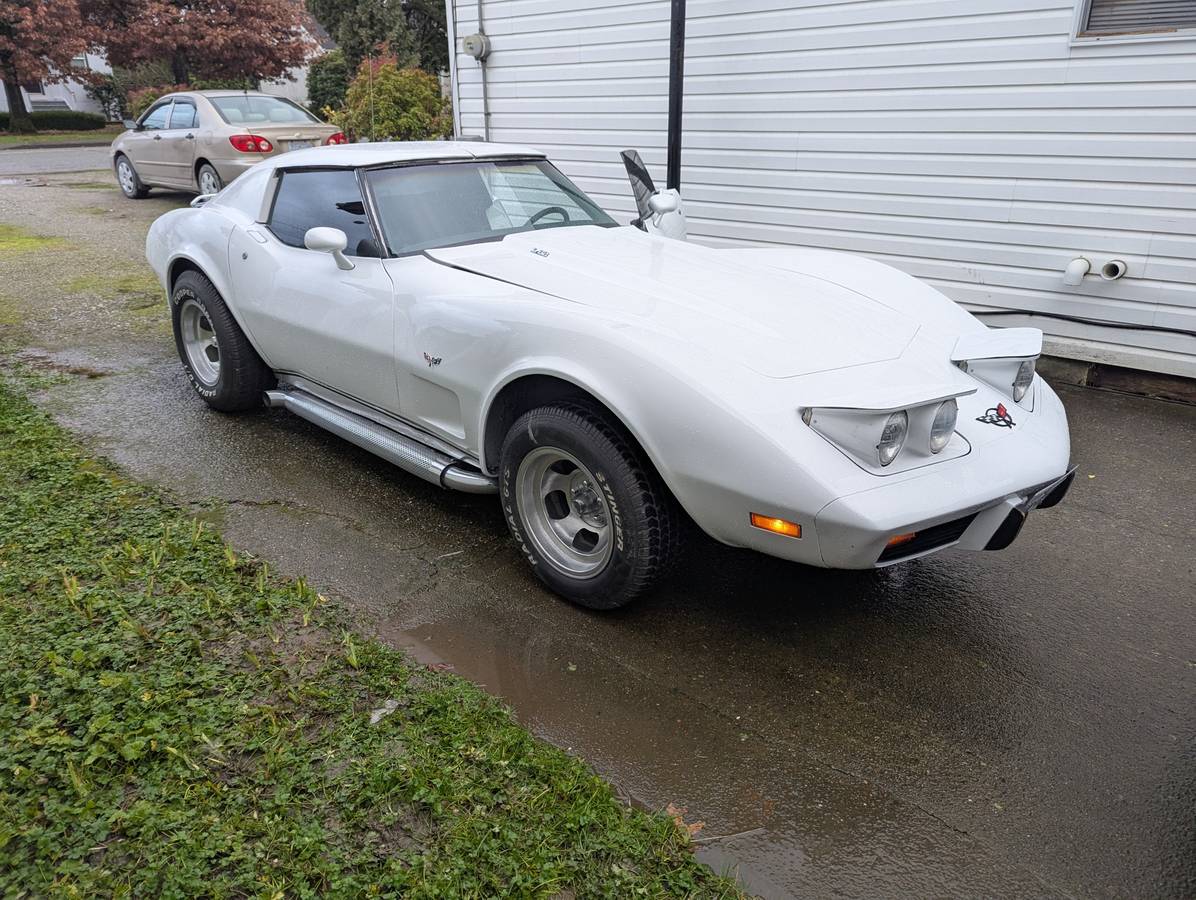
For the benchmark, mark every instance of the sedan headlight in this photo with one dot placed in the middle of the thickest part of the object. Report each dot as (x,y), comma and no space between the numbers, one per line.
(943,425)
(892,438)
(1023,379)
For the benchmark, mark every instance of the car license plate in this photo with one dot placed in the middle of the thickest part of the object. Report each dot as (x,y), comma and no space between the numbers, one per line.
(300,145)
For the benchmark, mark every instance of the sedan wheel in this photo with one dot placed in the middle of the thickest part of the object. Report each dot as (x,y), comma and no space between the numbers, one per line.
(200,343)
(209,180)
(126,177)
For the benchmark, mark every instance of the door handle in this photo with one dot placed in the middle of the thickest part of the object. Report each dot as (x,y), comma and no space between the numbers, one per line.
(157,137)
(189,137)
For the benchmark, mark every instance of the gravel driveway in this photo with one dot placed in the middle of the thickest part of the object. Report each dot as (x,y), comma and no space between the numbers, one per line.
(1017,724)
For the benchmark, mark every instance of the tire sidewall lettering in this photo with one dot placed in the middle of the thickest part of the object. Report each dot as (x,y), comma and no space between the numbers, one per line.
(180,294)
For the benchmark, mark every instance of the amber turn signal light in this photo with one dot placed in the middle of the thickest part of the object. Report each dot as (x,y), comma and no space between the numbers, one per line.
(898,539)
(776,526)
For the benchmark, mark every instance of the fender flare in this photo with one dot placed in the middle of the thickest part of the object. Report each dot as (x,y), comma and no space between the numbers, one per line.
(573,374)
(220,282)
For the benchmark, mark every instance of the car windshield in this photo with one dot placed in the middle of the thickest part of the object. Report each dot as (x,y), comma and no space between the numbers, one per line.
(444,204)
(251,109)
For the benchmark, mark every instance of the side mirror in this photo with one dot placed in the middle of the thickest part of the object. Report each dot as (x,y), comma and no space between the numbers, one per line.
(131,125)
(329,240)
(668,215)
(663,202)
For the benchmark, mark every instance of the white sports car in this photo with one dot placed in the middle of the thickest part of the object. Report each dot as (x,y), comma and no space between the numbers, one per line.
(464,311)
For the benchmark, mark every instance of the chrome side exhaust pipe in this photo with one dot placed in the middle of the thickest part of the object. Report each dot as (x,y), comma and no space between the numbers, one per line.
(408,454)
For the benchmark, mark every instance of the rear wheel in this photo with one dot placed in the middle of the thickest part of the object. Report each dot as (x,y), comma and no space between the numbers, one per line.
(126,177)
(209,179)
(219,361)
(590,513)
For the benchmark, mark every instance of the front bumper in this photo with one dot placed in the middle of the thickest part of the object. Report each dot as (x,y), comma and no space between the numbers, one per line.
(853,536)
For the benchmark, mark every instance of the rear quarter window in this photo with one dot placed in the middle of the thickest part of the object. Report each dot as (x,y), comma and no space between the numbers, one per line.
(327,198)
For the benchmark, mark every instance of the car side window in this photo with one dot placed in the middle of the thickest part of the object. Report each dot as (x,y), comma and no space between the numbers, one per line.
(157,117)
(328,198)
(183,115)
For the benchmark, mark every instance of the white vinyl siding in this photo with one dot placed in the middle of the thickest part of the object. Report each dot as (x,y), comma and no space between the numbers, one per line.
(978,146)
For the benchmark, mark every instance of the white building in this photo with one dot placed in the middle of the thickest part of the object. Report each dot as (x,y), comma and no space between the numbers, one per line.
(979,145)
(68,94)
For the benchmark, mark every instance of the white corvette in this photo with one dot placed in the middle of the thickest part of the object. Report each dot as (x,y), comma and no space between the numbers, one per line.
(464,311)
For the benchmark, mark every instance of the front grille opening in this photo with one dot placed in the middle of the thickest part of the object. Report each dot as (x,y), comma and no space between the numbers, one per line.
(929,539)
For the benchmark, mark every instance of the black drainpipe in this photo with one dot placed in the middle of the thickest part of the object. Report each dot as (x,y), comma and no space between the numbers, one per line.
(676,92)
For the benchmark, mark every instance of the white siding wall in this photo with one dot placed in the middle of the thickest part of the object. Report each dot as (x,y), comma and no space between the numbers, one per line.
(975,145)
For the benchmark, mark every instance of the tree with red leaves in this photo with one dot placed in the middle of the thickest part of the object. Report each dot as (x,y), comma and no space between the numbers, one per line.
(218,39)
(38,39)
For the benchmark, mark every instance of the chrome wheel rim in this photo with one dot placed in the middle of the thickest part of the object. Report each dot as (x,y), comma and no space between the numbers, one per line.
(199,342)
(564,512)
(124,174)
(208,182)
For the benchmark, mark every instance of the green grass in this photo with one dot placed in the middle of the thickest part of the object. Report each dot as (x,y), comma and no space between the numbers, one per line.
(138,291)
(102,136)
(175,720)
(14,239)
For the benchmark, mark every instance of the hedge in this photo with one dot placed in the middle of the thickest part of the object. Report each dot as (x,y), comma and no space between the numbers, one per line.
(60,120)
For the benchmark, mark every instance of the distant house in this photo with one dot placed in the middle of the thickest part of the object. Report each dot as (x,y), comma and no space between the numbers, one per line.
(70,94)
(981,146)
(294,85)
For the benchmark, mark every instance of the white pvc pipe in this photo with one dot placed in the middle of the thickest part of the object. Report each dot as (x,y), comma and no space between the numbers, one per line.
(1076,270)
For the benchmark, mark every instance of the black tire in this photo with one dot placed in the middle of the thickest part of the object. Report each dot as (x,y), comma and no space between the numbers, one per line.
(645,522)
(208,170)
(241,377)
(131,186)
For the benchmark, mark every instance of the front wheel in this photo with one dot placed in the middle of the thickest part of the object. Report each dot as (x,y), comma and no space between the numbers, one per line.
(130,184)
(588,511)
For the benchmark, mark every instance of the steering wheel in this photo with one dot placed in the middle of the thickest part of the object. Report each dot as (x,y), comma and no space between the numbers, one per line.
(545,211)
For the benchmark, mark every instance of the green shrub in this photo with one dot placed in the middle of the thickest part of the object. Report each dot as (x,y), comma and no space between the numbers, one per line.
(60,120)
(106,90)
(327,83)
(111,90)
(407,105)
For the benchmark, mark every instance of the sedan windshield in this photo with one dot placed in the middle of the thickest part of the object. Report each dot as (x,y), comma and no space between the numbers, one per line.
(254,109)
(445,204)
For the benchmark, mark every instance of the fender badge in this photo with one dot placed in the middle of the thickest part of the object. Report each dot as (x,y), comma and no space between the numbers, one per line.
(539,252)
(998,416)
(432,360)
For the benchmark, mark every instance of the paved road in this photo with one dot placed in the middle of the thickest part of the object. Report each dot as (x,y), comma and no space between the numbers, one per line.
(1020,724)
(57,159)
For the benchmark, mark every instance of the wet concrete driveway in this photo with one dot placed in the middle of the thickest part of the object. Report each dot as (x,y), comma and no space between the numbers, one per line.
(1018,724)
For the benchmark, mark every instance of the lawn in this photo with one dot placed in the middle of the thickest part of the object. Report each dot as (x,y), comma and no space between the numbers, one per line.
(176,720)
(100,136)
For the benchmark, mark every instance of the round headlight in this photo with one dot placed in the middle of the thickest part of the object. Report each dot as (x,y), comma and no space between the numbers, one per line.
(1021,383)
(892,437)
(943,425)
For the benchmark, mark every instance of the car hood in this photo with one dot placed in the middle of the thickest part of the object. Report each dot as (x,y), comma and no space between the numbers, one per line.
(781,324)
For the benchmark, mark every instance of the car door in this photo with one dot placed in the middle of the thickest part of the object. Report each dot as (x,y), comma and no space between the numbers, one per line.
(177,147)
(144,146)
(307,316)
